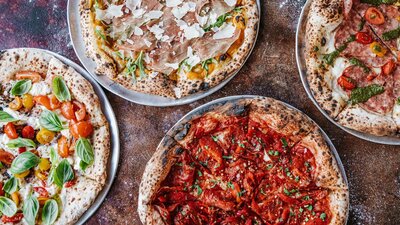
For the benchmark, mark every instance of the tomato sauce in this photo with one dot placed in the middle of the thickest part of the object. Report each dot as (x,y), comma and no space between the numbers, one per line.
(237,171)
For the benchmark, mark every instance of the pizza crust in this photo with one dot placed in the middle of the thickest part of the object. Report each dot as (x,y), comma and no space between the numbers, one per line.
(339,203)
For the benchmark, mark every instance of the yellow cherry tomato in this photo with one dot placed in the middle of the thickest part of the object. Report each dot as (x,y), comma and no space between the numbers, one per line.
(377,49)
(40,175)
(22,175)
(16,104)
(45,136)
(15,198)
(44,164)
(27,101)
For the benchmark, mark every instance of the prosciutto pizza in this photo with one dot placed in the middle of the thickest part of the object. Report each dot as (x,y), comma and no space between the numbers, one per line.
(54,140)
(352,57)
(252,161)
(170,48)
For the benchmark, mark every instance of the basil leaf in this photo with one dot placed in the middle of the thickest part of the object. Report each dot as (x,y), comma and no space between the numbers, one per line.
(362,94)
(5,117)
(49,212)
(11,185)
(50,121)
(63,173)
(220,20)
(21,87)
(7,206)
(83,165)
(21,142)
(85,152)
(60,89)
(24,162)
(50,179)
(53,155)
(30,209)
(392,34)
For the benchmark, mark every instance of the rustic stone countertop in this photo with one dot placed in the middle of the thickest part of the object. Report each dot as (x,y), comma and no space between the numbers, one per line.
(372,169)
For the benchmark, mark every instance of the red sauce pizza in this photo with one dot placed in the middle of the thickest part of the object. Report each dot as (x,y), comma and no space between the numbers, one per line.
(249,162)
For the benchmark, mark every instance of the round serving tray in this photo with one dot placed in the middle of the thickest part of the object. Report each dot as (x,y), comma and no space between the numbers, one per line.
(301,63)
(113,159)
(232,99)
(130,95)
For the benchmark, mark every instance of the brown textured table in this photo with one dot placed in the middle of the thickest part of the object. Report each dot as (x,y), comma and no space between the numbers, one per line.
(372,169)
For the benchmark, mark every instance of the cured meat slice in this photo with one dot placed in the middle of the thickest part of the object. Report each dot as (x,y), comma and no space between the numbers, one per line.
(345,36)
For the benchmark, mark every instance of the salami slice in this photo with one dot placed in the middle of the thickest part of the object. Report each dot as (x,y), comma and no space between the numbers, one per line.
(349,28)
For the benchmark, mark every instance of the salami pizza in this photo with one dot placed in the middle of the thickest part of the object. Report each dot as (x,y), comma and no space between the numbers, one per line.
(54,140)
(352,51)
(252,161)
(170,48)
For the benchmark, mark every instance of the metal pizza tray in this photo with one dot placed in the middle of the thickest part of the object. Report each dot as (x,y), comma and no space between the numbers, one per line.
(130,95)
(232,99)
(113,159)
(301,63)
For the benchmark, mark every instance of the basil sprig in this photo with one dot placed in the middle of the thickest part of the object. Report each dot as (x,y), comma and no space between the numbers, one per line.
(362,94)
(54,162)
(11,185)
(7,206)
(21,87)
(24,162)
(50,121)
(21,142)
(85,153)
(30,209)
(392,34)
(5,117)
(60,89)
(49,212)
(63,173)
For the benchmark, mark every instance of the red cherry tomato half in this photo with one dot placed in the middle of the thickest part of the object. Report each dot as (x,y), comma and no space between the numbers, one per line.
(389,67)
(10,131)
(67,110)
(364,38)
(374,16)
(21,150)
(28,132)
(14,219)
(346,83)
(41,191)
(81,129)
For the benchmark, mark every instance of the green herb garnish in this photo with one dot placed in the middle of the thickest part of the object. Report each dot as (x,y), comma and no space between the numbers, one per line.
(362,94)
(357,62)
(390,35)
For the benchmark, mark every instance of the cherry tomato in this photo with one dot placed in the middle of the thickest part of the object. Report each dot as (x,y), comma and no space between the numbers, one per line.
(10,131)
(28,132)
(6,157)
(81,129)
(30,75)
(63,149)
(43,100)
(346,82)
(388,68)
(374,16)
(27,101)
(70,183)
(371,76)
(41,191)
(67,110)
(364,38)
(14,219)
(45,136)
(80,112)
(54,103)
(21,150)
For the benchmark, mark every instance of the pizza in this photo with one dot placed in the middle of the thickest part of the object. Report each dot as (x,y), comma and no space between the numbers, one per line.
(171,48)
(352,57)
(252,161)
(54,140)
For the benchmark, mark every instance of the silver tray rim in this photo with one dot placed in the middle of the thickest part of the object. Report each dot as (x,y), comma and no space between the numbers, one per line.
(130,95)
(301,64)
(112,165)
(200,110)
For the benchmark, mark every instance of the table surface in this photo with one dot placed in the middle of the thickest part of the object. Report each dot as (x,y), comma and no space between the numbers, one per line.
(372,169)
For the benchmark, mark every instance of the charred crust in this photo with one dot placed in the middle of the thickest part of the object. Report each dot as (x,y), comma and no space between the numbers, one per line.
(183,132)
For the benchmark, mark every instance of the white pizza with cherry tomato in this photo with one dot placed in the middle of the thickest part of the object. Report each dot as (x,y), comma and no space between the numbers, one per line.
(54,140)
(352,54)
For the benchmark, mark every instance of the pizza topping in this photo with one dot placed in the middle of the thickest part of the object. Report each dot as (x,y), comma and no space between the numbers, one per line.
(30,209)
(50,212)
(21,87)
(346,82)
(378,49)
(374,16)
(234,169)
(362,94)
(60,89)
(364,38)
(389,67)
(392,34)
(7,207)
(357,62)
(85,152)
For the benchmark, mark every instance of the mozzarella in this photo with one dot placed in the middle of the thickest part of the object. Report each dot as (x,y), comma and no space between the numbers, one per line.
(230,2)
(173,3)
(154,14)
(137,31)
(180,12)
(173,65)
(193,31)
(157,30)
(336,71)
(109,13)
(133,4)
(192,59)
(40,88)
(226,31)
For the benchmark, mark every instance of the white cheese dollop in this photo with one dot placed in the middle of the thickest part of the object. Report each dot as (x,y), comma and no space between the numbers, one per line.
(40,88)
(226,31)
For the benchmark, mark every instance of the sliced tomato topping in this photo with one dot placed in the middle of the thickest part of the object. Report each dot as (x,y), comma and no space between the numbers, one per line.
(346,82)
(54,103)
(13,219)
(63,148)
(43,100)
(10,131)
(81,129)
(364,38)
(28,132)
(374,16)
(67,110)
(389,67)
(70,183)
(80,112)
(30,75)
(41,191)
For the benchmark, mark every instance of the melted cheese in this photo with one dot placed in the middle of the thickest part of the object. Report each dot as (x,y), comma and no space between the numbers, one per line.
(40,88)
